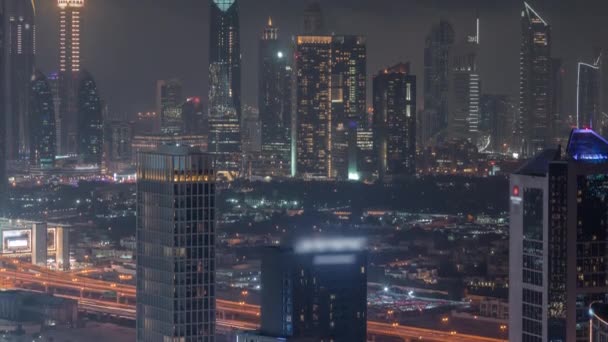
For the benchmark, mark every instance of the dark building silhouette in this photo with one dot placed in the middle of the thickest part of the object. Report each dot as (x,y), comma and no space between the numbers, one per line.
(42,123)
(533,128)
(313,19)
(176,245)
(558,237)
(316,291)
(274,103)
(19,56)
(225,83)
(169,106)
(497,115)
(3,118)
(436,80)
(195,118)
(395,121)
(588,96)
(90,120)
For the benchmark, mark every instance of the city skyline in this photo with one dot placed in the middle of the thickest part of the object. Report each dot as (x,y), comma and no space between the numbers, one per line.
(408,23)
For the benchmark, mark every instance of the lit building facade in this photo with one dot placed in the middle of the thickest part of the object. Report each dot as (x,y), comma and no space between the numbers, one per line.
(90,120)
(225,84)
(465,91)
(558,241)
(330,104)
(117,140)
(175,245)
(588,96)
(42,138)
(533,128)
(395,121)
(274,103)
(70,42)
(21,48)
(316,290)
(169,106)
(152,142)
(436,80)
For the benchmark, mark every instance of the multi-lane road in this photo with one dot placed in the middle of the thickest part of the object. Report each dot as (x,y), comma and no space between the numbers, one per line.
(84,289)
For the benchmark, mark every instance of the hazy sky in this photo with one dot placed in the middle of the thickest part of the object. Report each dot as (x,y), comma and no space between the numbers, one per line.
(129,44)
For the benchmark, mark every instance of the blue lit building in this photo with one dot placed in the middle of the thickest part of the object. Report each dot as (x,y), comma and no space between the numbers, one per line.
(316,290)
(559,240)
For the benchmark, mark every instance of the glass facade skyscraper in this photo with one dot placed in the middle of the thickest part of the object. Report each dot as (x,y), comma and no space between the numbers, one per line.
(558,241)
(175,245)
(588,96)
(225,84)
(42,123)
(169,106)
(21,49)
(274,103)
(330,104)
(395,121)
(90,120)
(533,128)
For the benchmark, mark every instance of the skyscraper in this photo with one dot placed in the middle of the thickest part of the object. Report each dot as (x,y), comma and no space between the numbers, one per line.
(533,128)
(588,96)
(90,120)
(330,104)
(3,119)
(225,83)
(274,102)
(497,114)
(465,90)
(175,245)
(436,80)
(395,121)
(558,241)
(19,56)
(194,117)
(169,106)
(602,62)
(42,123)
(313,19)
(316,291)
(70,41)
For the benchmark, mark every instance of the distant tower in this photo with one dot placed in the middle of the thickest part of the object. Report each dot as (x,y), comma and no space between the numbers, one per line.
(274,103)
(169,101)
(90,120)
(225,84)
(465,90)
(588,96)
(176,245)
(70,41)
(395,121)
(533,127)
(436,80)
(313,19)
(21,50)
(42,123)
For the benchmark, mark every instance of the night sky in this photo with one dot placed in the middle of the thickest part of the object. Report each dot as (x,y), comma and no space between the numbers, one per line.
(129,44)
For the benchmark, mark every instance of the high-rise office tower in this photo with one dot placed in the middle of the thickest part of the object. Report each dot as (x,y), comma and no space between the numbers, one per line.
(175,245)
(558,240)
(497,114)
(533,128)
(330,104)
(194,117)
(313,19)
(42,123)
(316,291)
(274,102)
(3,120)
(117,138)
(436,80)
(70,41)
(225,84)
(465,89)
(395,121)
(588,96)
(602,62)
(169,106)
(559,128)
(19,57)
(90,120)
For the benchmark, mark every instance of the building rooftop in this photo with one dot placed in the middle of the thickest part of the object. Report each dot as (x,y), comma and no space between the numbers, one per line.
(539,165)
(587,146)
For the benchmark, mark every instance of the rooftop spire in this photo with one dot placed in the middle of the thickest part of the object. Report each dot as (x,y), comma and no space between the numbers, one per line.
(269,21)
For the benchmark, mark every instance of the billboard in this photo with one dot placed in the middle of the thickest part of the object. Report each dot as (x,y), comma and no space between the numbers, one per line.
(16,241)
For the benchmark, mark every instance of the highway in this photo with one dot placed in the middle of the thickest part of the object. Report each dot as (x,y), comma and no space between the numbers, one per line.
(80,288)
